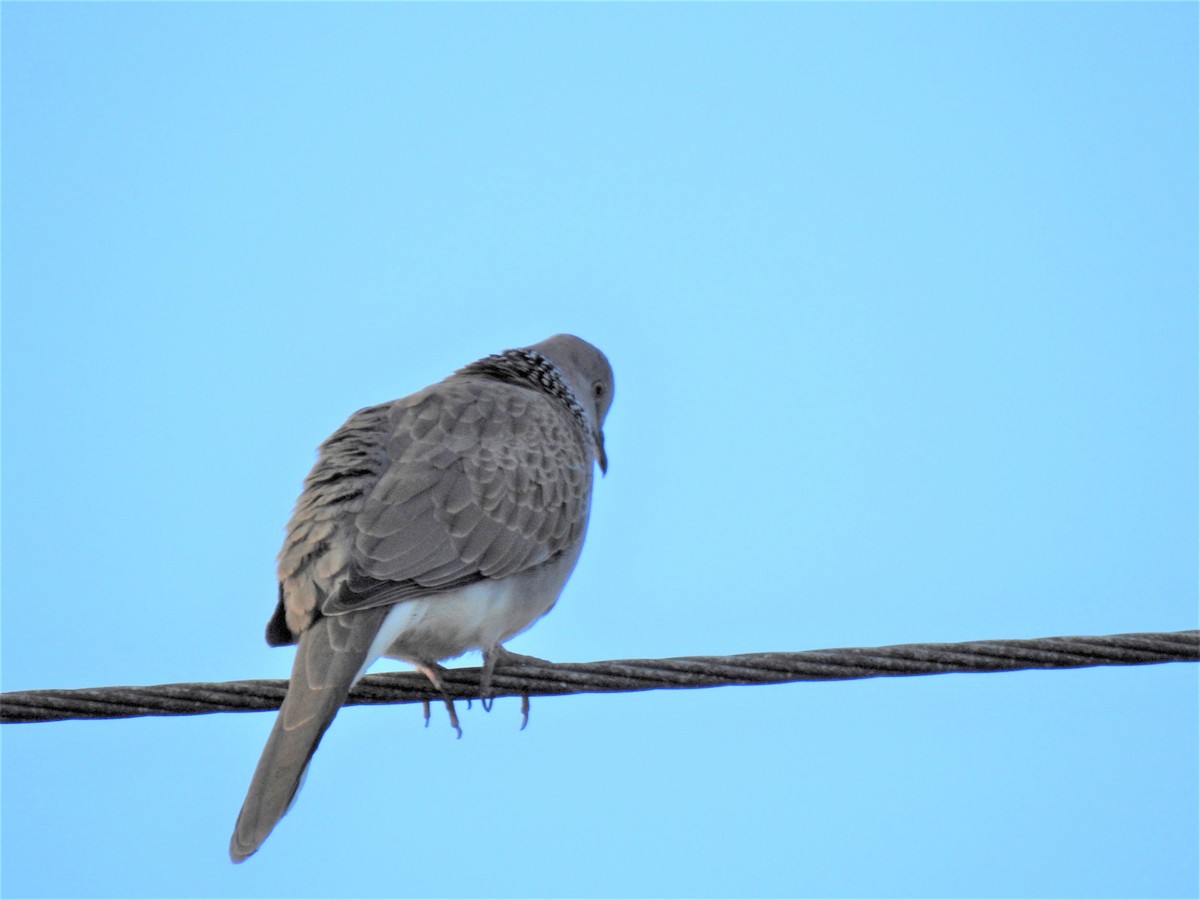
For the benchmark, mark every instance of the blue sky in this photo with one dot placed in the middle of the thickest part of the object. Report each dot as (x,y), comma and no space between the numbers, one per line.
(902,305)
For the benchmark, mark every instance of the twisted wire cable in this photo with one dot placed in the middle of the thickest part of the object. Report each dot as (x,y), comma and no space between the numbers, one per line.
(557,679)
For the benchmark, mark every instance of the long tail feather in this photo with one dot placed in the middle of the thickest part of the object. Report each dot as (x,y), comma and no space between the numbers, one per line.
(329,659)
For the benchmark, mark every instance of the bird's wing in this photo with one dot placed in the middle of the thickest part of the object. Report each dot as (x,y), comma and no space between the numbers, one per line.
(480,480)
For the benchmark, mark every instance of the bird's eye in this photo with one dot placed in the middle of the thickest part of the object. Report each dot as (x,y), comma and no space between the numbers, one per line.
(597,390)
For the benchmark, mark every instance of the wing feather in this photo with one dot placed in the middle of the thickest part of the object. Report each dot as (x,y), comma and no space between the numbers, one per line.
(482,480)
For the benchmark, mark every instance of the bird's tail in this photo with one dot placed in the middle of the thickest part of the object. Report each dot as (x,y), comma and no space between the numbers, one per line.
(329,659)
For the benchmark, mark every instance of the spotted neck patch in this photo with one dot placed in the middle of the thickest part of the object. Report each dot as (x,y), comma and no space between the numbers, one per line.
(530,369)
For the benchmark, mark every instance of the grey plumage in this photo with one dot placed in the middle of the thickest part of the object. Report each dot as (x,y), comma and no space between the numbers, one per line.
(439,523)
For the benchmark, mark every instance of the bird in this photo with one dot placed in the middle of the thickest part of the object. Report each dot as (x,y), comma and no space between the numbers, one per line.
(443,522)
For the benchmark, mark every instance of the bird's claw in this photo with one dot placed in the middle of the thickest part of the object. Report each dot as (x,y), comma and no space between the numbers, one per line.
(500,656)
(433,671)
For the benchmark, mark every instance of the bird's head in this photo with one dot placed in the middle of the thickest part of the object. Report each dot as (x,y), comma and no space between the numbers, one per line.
(587,372)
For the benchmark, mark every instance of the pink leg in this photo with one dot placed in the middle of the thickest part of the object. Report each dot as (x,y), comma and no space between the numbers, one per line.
(433,671)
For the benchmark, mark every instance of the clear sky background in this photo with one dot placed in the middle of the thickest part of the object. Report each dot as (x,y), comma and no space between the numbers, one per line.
(902,304)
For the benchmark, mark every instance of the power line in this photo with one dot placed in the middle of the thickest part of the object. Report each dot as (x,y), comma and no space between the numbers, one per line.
(557,679)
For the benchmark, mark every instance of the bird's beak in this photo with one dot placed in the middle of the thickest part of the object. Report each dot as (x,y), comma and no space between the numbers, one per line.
(601,456)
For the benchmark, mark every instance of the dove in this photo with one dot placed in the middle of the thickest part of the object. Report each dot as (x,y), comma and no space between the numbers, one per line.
(440,523)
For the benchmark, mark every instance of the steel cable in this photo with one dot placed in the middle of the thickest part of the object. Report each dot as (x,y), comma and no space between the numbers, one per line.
(539,680)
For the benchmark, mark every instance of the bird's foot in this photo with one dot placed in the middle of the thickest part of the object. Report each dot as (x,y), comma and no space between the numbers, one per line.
(504,658)
(433,671)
